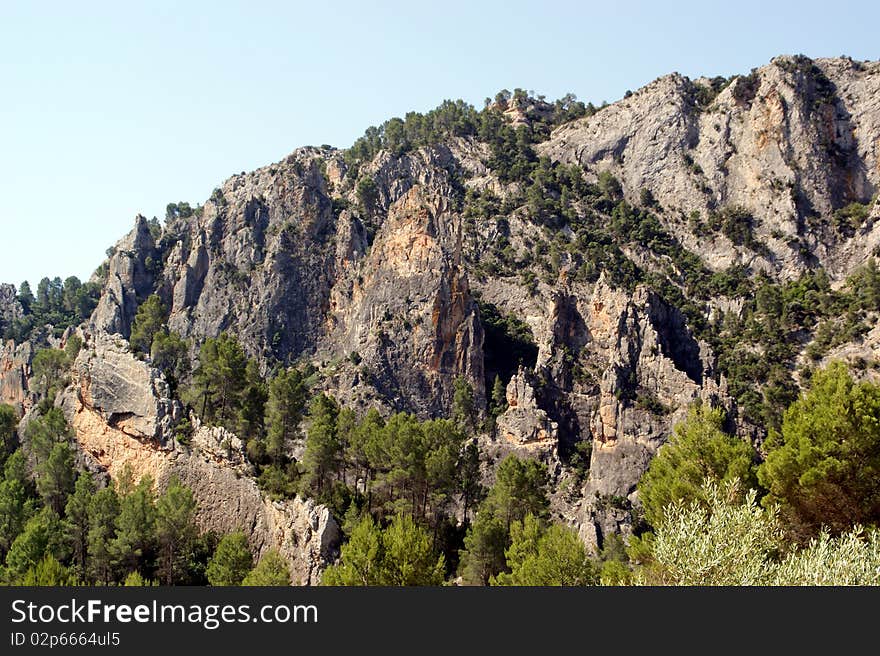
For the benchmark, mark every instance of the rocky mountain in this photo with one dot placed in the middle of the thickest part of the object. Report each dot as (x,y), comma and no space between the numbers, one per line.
(600,263)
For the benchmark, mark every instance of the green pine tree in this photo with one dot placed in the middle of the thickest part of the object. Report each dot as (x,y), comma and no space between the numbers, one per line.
(286,404)
(231,562)
(135,541)
(699,448)
(76,517)
(148,321)
(542,555)
(175,530)
(272,570)
(103,511)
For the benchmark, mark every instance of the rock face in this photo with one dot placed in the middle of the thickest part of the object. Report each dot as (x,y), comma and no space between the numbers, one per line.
(127,393)
(524,422)
(790,143)
(129,280)
(270,259)
(655,370)
(15,364)
(122,416)
(407,309)
(10,308)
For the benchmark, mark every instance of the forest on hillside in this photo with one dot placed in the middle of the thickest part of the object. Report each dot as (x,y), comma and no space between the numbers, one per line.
(775,484)
(715,513)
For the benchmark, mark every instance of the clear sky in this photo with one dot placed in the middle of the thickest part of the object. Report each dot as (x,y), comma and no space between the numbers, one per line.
(108,109)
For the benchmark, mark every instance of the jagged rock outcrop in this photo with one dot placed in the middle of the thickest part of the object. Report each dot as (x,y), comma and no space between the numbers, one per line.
(122,416)
(304,532)
(220,444)
(257,260)
(15,370)
(524,422)
(409,313)
(655,369)
(10,308)
(270,258)
(790,143)
(130,277)
(125,392)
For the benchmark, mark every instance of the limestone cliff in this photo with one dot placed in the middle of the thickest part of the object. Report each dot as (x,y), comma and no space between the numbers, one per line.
(122,416)
(791,142)
(15,371)
(380,273)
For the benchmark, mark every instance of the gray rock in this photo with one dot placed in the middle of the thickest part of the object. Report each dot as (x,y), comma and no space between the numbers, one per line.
(524,422)
(10,308)
(15,371)
(122,418)
(129,281)
(796,139)
(130,395)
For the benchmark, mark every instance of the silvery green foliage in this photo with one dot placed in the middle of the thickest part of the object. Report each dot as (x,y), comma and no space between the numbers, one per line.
(851,559)
(736,542)
(726,544)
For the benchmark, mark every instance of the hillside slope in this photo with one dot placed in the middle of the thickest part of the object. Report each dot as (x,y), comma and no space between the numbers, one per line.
(697,240)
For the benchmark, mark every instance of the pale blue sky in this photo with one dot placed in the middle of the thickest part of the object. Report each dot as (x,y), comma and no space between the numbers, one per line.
(113,108)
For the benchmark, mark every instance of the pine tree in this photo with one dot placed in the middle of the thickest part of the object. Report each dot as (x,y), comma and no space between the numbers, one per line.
(170,353)
(43,433)
(484,545)
(56,476)
(271,570)
(220,379)
(76,516)
(499,397)
(699,448)
(464,408)
(253,403)
(42,535)
(175,530)
(401,555)
(322,445)
(469,478)
(49,367)
(542,555)
(409,557)
(284,410)
(136,580)
(231,562)
(135,541)
(148,321)
(520,488)
(16,502)
(103,511)
(26,296)
(8,436)
(821,467)
(360,558)
(359,450)
(49,573)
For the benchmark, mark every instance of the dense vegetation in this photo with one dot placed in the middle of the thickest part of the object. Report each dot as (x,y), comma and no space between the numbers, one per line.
(459,119)
(59,526)
(57,304)
(804,513)
(417,502)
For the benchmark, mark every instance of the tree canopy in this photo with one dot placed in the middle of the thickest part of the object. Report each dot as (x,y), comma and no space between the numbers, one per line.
(823,465)
(401,555)
(698,448)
